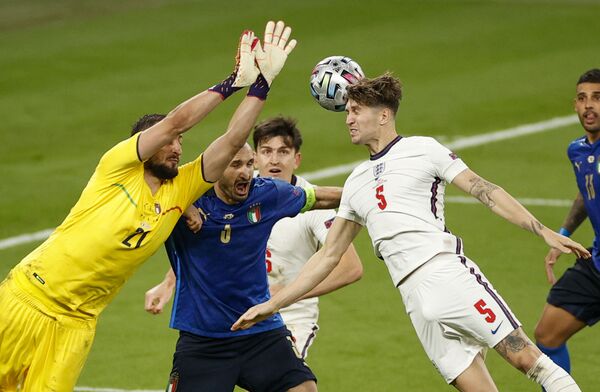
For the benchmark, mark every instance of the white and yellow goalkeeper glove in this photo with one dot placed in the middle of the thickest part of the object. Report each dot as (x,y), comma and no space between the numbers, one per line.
(246,70)
(272,57)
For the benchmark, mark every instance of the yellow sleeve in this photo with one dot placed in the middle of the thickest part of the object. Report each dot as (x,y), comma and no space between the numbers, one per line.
(192,182)
(120,159)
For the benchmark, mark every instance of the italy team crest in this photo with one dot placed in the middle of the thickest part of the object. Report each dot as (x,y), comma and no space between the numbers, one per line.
(254,213)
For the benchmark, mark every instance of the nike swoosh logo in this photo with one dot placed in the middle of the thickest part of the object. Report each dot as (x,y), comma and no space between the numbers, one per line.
(497,328)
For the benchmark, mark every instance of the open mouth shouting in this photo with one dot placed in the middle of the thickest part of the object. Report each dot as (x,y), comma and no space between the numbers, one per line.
(241,188)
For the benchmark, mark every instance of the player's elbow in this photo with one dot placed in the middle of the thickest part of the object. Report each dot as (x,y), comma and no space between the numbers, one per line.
(177,122)
(355,274)
(233,140)
(353,269)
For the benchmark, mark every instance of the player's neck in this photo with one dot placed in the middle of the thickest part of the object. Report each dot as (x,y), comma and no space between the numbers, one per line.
(223,196)
(153,182)
(593,137)
(378,144)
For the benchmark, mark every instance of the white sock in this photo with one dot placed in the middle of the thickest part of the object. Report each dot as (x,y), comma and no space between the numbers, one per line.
(551,376)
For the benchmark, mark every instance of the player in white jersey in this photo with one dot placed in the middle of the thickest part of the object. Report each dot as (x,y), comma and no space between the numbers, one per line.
(399,196)
(292,241)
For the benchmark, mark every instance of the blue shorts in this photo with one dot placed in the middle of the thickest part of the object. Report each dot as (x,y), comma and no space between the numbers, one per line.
(578,292)
(262,362)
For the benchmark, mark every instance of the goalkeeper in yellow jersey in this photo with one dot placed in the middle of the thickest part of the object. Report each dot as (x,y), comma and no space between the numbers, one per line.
(50,301)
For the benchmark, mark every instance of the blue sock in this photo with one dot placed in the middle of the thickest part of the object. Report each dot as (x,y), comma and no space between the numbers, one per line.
(560,355)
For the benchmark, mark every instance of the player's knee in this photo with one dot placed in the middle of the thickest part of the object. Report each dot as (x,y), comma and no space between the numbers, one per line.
(546,336)
(539,333)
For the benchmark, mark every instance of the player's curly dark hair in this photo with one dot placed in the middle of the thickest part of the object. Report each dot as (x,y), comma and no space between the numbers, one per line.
(384,90)
(278,126)
(591,76)
(145,122)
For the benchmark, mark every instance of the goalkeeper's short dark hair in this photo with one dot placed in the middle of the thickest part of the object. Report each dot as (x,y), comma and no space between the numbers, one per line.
(145,122)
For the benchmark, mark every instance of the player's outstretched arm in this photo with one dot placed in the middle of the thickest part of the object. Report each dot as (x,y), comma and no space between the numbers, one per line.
(220,152)
(158,296)
(340,236)
(192,111)
(574,218)
(348,270)
(327,197)
(506,206)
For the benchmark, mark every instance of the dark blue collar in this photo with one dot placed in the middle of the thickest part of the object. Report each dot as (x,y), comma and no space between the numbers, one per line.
(386,149)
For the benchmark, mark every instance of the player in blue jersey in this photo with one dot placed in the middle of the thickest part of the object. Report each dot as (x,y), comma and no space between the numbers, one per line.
(574,300)
(277,141)
(221,272)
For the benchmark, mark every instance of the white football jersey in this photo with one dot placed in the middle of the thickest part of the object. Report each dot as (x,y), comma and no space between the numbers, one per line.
(292,242)
(399,196)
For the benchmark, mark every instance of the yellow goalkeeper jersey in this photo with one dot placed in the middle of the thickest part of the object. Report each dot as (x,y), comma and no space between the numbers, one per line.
(115,226)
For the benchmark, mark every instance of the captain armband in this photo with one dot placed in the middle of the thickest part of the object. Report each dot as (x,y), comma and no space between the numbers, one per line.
(311,198)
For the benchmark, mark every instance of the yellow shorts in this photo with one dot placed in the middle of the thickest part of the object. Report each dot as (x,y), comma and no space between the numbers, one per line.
(39,350)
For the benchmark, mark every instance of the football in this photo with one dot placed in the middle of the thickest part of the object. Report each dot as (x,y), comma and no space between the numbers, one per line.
(330,78)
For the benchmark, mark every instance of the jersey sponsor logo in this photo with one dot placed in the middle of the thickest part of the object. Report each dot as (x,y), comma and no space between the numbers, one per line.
(495,330)
(328,223)
(254,214)
(203,215)
(378,169)
(591,159)
(228,216)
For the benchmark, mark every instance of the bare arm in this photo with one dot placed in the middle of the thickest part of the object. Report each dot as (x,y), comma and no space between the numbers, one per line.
(328,197)
(506,206)
(277,47)
(576,215)
(340,236)
(158,296)
(574,218)
(219,153)
(348,271)
(178,121)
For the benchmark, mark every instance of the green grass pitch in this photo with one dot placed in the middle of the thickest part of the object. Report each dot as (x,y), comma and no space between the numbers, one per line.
(75,74)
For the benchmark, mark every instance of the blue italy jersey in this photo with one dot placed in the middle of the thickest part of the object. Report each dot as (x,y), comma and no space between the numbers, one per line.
(585,158)
(221,270)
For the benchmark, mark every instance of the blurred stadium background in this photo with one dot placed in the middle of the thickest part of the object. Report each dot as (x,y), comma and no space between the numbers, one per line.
(75,74)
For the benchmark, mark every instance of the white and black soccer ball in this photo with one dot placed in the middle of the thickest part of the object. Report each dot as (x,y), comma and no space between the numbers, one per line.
(330,78)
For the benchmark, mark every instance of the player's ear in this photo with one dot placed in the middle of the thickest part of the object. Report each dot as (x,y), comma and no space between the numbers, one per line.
(254,154)
(297,160)
(385,116)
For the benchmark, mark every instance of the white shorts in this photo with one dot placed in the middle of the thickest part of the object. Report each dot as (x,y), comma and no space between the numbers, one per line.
(456,312)
(304,335)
